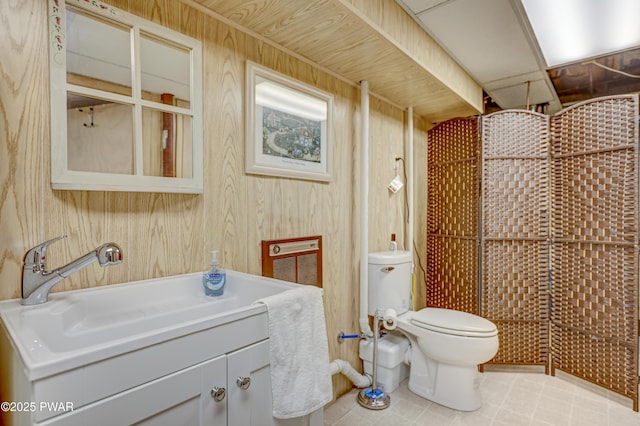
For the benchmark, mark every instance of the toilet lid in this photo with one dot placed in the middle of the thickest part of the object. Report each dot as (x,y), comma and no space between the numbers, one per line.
(454,322)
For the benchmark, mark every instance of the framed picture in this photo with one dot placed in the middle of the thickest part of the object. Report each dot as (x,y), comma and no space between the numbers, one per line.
(288,126)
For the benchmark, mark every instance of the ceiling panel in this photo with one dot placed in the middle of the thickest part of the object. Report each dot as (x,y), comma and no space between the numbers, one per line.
(421,5)
(484,35)
(492,41)
(511,92)
(509,97)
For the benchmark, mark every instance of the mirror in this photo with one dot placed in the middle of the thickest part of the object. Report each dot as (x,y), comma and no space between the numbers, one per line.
(126,104)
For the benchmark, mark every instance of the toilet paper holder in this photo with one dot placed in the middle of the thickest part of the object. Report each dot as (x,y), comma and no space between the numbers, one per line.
(375,398)
(388,316)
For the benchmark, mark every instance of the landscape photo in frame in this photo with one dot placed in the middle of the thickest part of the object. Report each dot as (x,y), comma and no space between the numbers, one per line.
(288,125)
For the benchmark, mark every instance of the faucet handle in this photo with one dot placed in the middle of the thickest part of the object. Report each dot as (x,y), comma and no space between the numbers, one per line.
(37,256)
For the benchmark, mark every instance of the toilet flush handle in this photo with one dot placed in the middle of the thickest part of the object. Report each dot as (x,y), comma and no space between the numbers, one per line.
(388,269)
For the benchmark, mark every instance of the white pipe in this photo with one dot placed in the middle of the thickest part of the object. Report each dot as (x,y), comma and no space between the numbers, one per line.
(342,366)
(410,189)
(364,211)
(410,199)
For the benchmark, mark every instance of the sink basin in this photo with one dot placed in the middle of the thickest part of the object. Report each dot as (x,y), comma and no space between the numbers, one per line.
(87,325)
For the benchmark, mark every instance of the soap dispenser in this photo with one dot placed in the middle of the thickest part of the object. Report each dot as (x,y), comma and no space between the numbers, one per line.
(393,246)
(214,279)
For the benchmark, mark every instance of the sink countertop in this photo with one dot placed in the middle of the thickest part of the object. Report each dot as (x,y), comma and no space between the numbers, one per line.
(79,327)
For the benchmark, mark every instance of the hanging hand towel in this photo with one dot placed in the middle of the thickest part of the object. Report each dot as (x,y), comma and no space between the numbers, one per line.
(300,372)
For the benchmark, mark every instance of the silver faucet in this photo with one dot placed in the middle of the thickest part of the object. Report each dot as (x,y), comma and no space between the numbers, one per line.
(37,282)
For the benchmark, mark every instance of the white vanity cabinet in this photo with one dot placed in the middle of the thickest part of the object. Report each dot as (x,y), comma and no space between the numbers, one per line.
(168,383)
(147,352)
(177,399)
(232,389)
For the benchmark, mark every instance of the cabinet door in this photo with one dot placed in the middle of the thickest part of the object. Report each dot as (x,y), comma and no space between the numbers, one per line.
(250,406)
(214,394)
(181,398)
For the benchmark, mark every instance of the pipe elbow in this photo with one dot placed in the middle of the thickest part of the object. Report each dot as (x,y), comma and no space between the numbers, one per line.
(342,366)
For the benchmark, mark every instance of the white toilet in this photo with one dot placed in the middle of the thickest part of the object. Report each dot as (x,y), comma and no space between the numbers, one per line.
(446,345)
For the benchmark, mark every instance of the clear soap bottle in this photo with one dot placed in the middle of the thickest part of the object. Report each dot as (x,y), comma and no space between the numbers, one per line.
(215,278)
(393,246)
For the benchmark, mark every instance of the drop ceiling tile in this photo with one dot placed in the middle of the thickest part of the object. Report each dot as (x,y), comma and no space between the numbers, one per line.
(485,36)
(516,96)
(418,6)
(515,80)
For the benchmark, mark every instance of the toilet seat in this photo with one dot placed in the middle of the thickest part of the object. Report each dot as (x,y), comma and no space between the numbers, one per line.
(457,323)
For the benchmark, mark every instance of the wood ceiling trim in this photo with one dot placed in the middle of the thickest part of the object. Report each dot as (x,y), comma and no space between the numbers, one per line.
(363,40)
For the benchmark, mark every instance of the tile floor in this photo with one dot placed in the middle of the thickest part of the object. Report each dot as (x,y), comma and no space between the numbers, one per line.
(511,397)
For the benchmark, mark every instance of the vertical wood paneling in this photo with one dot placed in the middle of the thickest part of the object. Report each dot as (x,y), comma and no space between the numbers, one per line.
(23,134)
(165,234)
(225,192)
(191,22)
(88,219)
(386,210)
(163,12)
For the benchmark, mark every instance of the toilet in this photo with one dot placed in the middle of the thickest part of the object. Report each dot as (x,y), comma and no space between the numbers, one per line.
(446,345)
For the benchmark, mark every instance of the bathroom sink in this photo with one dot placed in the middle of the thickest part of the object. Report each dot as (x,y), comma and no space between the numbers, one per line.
(76,327)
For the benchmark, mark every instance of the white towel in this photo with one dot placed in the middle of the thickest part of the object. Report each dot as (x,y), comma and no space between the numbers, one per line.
(300,372)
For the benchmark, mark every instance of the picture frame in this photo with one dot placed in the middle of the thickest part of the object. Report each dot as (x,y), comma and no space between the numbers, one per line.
(288,124)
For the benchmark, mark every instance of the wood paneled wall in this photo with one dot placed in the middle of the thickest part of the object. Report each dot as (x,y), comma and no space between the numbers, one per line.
(166,234)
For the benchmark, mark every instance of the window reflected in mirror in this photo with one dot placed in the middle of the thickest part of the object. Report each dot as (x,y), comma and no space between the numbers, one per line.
(165,69)
(126,102)
(98,53)
(100,135)
(167,144)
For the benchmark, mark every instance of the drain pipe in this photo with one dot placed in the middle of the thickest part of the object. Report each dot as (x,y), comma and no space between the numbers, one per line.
(410,189)
(339,365)
(364,211)
(342,366)
(410,192)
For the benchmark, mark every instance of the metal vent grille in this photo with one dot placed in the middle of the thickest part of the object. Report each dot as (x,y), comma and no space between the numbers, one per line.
(297,260)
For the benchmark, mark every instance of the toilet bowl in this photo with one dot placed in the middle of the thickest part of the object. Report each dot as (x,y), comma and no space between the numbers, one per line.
(446,345)
(446,348)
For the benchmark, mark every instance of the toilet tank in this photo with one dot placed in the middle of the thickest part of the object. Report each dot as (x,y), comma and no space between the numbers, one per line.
(390,281)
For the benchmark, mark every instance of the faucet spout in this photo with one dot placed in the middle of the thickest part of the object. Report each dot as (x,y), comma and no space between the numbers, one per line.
(37,281)
(107,254)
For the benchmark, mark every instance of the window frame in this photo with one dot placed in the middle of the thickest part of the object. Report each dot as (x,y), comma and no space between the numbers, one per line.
(61,176)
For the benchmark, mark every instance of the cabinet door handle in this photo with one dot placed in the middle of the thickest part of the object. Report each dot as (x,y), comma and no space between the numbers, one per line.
(218,394)
(243,382)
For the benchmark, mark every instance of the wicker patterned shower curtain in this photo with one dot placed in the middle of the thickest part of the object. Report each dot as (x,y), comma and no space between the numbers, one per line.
(533,224)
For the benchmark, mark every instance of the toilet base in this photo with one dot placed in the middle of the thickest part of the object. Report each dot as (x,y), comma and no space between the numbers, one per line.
(453,386)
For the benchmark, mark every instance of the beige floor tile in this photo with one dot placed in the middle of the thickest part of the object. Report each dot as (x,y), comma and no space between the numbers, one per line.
(506,417)
(510,398)
(620,415)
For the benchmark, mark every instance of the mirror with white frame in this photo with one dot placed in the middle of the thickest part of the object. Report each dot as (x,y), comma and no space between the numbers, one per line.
(126,103)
